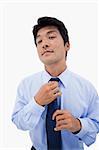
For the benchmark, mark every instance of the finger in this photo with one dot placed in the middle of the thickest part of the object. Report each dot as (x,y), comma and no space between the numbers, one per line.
(53,85)
(61,127)
(50,83)
(56,90)
(60,112)
(55,95)
(60,117)
(61,122)
(57,112)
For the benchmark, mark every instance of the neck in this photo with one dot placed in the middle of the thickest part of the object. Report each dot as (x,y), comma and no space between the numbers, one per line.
(55,70)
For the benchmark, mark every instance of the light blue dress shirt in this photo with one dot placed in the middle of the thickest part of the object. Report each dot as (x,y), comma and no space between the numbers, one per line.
(78,96)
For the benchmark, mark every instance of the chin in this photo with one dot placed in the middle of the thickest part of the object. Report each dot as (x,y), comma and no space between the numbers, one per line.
(48,62)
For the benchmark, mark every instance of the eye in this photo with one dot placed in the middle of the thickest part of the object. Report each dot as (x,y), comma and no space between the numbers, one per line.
(38,42)
(52,37)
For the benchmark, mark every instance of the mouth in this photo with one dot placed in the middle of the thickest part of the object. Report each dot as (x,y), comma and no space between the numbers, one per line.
(47,52)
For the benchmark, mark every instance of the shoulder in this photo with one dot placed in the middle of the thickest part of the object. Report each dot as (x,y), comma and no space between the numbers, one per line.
(81,82)
(34,78)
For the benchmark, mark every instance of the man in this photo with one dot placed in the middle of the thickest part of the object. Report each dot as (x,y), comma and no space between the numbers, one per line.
(59,108)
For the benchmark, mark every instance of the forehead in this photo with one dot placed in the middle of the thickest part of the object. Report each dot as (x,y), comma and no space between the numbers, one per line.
(47,30)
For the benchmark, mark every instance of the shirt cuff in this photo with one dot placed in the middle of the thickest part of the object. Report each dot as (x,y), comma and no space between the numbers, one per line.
(34,107)
(83,130)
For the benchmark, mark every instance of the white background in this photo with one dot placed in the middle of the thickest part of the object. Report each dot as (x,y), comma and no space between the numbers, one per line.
(18,56)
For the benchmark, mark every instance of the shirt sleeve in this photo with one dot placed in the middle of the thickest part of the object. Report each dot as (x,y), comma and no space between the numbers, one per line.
(27,112)
(90,123)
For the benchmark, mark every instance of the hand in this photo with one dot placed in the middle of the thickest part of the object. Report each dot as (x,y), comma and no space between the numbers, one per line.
(47,93)
(65,120)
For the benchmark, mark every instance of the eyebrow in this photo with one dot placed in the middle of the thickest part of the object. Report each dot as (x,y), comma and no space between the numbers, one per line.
(49,32)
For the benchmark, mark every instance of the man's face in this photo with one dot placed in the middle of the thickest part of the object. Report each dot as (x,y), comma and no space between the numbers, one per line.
(50,45)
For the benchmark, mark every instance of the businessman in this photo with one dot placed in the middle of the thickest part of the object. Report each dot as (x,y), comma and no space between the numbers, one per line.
(59,108)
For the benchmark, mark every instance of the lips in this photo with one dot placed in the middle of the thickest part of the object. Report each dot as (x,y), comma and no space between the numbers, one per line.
(48,51)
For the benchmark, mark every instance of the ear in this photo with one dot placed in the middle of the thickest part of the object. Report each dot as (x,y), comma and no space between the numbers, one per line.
(67,46)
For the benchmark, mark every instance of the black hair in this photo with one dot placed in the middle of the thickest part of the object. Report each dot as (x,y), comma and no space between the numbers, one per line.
(50,21)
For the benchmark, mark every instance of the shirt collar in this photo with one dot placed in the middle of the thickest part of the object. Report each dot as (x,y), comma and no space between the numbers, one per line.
(64,76)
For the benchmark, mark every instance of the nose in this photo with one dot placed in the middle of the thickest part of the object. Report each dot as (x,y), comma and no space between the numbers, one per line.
(45,46)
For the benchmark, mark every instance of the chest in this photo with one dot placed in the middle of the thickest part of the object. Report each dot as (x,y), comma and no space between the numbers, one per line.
(75,101)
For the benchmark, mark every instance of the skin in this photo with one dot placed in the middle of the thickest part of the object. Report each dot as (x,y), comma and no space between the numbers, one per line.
(51,51)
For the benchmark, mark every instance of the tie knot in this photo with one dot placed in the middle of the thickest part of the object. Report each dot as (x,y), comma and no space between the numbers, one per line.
(55,79)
